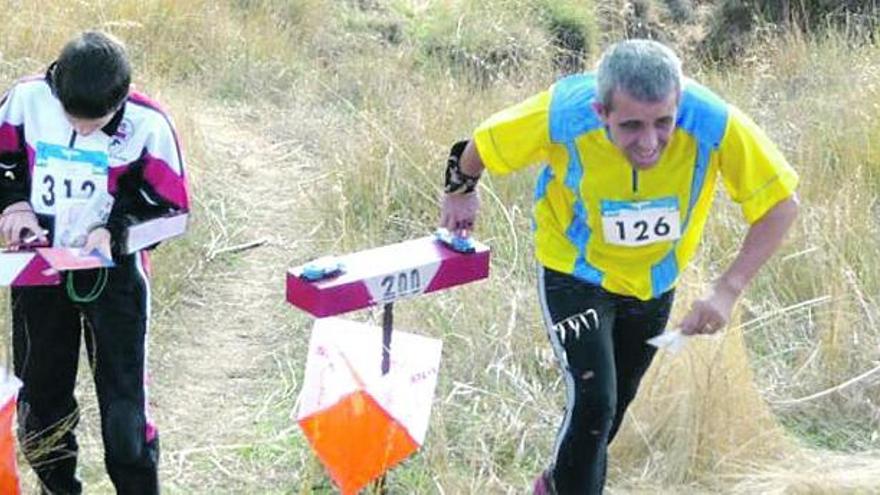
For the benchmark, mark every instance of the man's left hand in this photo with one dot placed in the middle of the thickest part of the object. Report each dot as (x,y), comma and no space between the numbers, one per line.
(99,239)
(458,213)
(712,313)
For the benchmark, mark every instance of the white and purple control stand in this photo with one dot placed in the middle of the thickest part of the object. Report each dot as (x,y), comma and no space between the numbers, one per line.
(331,286)
(42,266)
(334,285)
(384,275)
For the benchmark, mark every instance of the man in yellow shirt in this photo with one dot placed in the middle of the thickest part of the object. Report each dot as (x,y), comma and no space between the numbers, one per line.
(631,155)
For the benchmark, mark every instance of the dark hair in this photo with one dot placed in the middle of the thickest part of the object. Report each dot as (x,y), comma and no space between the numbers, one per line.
(91,76)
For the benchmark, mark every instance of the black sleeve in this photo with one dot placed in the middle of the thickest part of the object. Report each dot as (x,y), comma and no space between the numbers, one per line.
(14,173)
(134,202)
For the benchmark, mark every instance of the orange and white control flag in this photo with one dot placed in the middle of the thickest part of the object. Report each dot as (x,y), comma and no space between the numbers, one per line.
(359,422)
(9,385)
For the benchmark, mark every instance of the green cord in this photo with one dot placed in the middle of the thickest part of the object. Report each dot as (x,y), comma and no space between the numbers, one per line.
(93,294)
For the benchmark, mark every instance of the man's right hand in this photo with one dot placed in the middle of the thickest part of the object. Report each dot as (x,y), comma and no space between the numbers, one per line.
(17,221)
(458,213)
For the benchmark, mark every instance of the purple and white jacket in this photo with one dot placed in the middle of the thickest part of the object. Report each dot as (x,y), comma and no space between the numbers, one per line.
(145,168)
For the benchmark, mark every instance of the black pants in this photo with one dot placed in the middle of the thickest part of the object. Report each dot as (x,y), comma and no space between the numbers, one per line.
(47,328)
(599,339)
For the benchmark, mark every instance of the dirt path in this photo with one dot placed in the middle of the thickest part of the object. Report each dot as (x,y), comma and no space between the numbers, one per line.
(225,356)
(224,350)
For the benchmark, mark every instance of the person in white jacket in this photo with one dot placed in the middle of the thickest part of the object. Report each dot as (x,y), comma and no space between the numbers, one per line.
(74,132)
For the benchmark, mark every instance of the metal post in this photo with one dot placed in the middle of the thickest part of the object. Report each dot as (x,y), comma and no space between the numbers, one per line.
(387,321)
(379,486)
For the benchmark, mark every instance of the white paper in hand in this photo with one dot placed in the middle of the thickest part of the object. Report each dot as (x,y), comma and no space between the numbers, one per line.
(671,341)
(76,216)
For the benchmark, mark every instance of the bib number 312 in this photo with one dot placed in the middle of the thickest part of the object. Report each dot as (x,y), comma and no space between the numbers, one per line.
(62,173)
(69,187)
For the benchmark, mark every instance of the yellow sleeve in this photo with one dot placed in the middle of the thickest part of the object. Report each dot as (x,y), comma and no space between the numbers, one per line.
(515,137)
(754,171)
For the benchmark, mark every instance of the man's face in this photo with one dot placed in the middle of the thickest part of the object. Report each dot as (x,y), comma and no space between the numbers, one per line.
(640,129)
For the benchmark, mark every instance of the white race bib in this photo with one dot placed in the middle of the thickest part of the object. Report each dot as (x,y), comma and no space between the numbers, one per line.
(629,223)
(66,174)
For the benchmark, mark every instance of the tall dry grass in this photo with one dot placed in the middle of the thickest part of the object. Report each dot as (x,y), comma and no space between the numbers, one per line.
(728,409)
(377,103)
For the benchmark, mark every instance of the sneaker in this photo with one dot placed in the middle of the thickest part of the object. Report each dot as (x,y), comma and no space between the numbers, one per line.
(543,484)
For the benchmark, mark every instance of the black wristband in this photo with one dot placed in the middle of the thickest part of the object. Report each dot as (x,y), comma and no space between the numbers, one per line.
(457,182)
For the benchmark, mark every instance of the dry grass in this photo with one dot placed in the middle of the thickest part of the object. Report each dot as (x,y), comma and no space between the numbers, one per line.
(313,101)
(705,419)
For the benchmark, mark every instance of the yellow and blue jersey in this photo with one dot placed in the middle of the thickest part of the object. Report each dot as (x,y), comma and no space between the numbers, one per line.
(587,189)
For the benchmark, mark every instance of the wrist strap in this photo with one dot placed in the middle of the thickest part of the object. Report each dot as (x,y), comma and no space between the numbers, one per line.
(458,182)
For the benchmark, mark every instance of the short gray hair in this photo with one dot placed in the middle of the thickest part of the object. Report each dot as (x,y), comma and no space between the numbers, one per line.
(647,70)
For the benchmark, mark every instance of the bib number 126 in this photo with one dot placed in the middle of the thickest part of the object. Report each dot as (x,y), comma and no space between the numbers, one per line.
(640,223)
(641,230)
